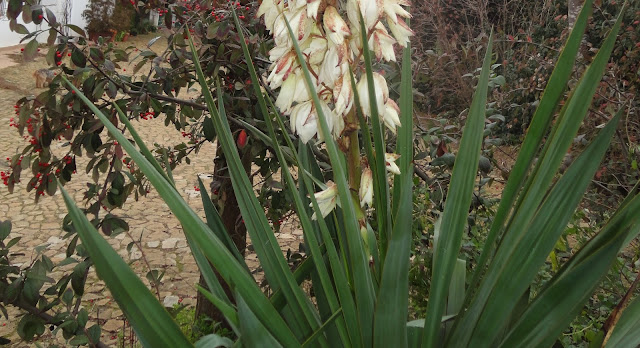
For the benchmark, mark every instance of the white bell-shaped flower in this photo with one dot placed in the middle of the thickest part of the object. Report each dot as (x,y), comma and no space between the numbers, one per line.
(327,199)
(371,12)
(393,9)
(382,43)
(271,9)
(391,115)
(303,121)
(333,65)
(390,162)
(381,92)
(312,8)
(335,27)
(365,193)
(400,31)
(282,69)
(342,95)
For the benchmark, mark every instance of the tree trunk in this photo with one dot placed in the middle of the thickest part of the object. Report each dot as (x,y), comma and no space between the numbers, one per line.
(232,220)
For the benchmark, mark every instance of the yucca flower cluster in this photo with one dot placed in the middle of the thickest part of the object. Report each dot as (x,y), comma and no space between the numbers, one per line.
(331,45)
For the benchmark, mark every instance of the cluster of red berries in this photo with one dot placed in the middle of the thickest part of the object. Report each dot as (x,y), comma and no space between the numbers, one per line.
(220,15)
(67,159)
(5,177)
(147,115)
(129,164)
(163,11)
(41,179)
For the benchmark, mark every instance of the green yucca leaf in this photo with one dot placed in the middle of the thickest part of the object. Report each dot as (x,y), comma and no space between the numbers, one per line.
(324,327)
(165,159)
(141,145)
(555,149)
(565,294)
(540,122)
(254,333)
(625,332)
(339,276)
(302,315)
(223,305)
(215,251)
(553,312)
(152,323)
(404,145)
(456,207)
(544,230)
(370,154)
(362,282)
(379,168)
(305,220)
(392,303)
(203,264)
(215,224)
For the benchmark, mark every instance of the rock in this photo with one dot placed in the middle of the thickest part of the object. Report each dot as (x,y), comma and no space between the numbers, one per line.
(52,241)
(106,314)
(135,254)
(153,244)
(170,243)
(112,325)
(170,301)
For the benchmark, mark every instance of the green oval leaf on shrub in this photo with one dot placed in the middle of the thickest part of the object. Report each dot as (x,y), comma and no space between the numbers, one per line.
(37,16)
(51,17)
(30,50)
(96,55)
(78,58)
(5,229)
(76,29)
(29,327)
(26,13)
(14,8)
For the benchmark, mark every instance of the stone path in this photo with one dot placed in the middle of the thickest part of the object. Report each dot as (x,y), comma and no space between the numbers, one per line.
(150,221)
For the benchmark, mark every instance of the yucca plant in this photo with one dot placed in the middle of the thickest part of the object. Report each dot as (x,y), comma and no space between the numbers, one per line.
(360,275)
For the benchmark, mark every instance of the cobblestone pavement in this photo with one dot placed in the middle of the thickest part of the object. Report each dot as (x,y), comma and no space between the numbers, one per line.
(150,220)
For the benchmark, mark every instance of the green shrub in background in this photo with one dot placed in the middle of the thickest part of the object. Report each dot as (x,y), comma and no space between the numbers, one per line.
(360,276)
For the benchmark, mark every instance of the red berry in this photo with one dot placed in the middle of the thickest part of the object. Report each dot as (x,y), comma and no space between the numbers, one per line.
(242,139)
(40,17)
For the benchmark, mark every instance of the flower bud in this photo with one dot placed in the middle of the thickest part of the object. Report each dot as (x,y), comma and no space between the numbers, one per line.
(366,187)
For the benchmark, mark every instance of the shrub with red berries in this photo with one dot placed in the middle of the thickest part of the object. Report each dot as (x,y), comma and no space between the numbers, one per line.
(108,74)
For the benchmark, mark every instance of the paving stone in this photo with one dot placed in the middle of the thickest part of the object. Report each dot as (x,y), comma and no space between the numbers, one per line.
(153,244)
(170,301)
(170,243)
(112,325)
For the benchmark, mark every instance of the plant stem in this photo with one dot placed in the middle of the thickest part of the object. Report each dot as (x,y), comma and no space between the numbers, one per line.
(353,152)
